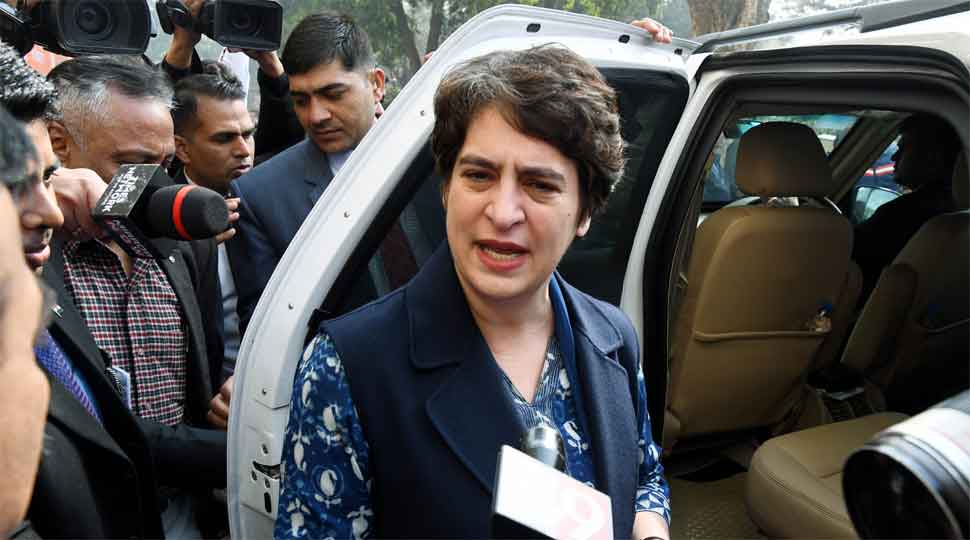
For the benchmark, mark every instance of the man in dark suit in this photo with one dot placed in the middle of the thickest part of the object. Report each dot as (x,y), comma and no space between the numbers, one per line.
(214,142)
(336,89)
(153,318)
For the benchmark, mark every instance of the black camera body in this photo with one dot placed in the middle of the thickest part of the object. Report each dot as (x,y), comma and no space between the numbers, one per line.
(240,24)
(79,27)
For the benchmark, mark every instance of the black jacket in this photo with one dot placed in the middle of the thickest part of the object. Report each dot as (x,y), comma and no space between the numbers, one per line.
(101,481)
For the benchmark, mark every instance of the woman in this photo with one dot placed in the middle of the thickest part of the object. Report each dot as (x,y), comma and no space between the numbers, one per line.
(399,408)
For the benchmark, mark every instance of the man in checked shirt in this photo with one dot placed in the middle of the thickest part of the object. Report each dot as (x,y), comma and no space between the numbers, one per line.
(149,316)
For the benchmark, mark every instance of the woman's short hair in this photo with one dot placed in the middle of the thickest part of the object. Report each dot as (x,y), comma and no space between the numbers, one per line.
(546,92)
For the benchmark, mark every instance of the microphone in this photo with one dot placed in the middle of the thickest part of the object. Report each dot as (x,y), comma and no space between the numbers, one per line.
(142,202)
(186,213)
(534,499)
(544,444)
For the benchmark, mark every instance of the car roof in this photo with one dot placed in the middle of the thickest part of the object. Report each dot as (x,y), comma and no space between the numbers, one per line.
(943,25)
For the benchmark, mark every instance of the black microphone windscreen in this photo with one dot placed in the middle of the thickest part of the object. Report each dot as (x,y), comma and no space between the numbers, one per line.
(187,212)
(544,443)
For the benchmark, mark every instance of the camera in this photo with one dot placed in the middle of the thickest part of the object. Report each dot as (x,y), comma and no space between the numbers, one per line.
(79,27)
(913,479)
(241,24)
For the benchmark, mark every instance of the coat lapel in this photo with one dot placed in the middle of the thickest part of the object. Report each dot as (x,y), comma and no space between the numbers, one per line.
(198,389)
(72,335)
(68,325)
(316,171)
(66,411)
(470,409)
(606,403)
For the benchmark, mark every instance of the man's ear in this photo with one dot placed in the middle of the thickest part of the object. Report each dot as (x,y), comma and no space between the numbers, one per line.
(61,141)
(181,150)
(583,227)
(377,83)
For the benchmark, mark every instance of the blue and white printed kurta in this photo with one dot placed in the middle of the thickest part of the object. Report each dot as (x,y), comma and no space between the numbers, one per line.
(326,483)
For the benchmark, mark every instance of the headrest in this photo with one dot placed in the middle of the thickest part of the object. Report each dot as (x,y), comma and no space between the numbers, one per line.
(961,181)
(783,159)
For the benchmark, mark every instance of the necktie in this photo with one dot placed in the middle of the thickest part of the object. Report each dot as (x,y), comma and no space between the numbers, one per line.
(399,264)
(52,359)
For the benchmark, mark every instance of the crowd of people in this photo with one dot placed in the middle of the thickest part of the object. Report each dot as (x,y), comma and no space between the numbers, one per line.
(116,371)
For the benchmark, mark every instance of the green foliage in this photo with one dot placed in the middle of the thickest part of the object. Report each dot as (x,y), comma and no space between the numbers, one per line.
(393,41)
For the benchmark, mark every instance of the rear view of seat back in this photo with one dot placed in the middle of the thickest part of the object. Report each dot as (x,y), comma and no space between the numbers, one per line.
(913,337)
(747,330)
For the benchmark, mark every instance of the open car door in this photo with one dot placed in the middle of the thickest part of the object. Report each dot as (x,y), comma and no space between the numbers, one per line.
(330,267)
(674,106)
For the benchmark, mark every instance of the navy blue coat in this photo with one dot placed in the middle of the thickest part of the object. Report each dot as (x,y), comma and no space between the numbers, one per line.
(275,199)
(434,410)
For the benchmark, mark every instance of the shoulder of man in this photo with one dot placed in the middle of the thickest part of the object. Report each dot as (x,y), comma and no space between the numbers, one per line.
(293,158)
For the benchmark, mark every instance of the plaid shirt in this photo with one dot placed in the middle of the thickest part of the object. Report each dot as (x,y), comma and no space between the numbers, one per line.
(137,320)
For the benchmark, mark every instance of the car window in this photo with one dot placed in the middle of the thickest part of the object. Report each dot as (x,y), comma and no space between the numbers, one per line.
(650,107)
(876,186)
(720,186)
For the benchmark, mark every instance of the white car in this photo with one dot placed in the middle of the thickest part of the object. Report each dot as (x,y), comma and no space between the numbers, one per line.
(732,328)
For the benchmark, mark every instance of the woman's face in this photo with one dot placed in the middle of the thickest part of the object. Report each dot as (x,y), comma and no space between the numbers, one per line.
(512,210)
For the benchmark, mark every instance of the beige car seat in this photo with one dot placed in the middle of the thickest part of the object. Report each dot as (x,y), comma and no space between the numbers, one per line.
(794,484)
(913,336)
(748,329)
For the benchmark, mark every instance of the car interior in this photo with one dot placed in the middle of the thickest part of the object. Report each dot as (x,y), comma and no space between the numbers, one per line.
(779,365)
(767,358)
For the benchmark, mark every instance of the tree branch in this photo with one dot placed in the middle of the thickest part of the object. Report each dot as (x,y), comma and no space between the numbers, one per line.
(434,26)
(406,35)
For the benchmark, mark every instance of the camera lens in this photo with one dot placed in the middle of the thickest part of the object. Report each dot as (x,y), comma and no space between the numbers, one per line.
(913,479)
(244,21)
(93,18)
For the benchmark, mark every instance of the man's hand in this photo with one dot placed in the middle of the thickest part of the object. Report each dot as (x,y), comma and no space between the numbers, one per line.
(233,205)
(660,33)
(77,192)
(179,54)
(218,414)
(269,61)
